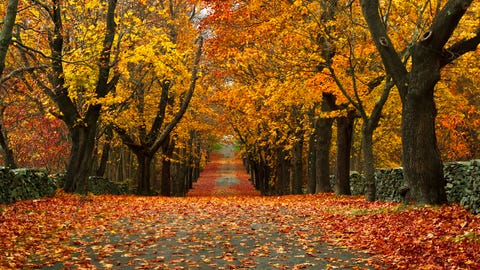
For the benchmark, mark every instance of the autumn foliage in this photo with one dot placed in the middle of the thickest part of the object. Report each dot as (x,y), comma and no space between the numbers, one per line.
(151,85)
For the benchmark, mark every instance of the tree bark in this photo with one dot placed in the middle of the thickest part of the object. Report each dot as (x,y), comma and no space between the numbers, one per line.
(6,33)
(297,161)
(323,131)
(320,143)
(166,180)
(312,172)
(81,159)
(281,185)
(102,166)
(369,163)
(143,174)
(423,168)
(8,157)
(344,146)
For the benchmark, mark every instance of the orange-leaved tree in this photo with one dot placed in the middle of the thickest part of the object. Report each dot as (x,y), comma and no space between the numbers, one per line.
(415,69)
(357,73)
(265,63)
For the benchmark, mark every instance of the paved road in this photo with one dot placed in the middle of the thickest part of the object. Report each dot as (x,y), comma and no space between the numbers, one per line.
(213,232)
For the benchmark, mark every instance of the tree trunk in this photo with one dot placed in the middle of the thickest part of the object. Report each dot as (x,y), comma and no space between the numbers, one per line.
(143,174)
(81,159)
(179,180)
(196,168)
(423,169)
(368,163)
(254,174)
(323,133)
(297,161)
(281,185)
(102,167)
(6,33)
(167,150)
(8,158)
(344,146)
(181,174)
(312,172)
(166,179)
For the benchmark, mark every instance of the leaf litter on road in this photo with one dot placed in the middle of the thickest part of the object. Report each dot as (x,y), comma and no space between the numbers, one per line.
(234,229)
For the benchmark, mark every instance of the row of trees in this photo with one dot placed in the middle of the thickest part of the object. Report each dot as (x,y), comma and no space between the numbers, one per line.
(115,85)
(292,70)
(116,74)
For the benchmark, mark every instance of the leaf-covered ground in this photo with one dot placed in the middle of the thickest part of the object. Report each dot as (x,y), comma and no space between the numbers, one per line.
(224,223)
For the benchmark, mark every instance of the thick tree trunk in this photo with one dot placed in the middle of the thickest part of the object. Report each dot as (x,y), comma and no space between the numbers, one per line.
(423,169)
(81,159)
(297,161)
(166,178)
(323,132)
(182,174)
(143,174)
(264,177)
(180,180)
(344,146)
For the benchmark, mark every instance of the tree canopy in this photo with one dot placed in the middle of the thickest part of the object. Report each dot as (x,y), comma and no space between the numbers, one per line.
(140,91)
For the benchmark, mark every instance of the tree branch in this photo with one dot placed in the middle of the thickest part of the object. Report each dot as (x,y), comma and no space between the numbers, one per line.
(19,71)
(444,23)
(7,29)
(460,48)
(170,126)
(391,59)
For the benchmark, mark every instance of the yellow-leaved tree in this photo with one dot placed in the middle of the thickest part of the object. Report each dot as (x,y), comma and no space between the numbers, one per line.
(159,61)
(73,41)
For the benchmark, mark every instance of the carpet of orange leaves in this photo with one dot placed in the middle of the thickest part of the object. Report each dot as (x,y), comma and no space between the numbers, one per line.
(37,233)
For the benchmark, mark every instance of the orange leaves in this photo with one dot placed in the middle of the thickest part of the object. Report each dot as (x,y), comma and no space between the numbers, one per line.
(235,232)
(413,238)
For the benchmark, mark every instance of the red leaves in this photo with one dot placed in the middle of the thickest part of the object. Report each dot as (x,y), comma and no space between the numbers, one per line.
(234,232)
(223,177)
(415,238)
